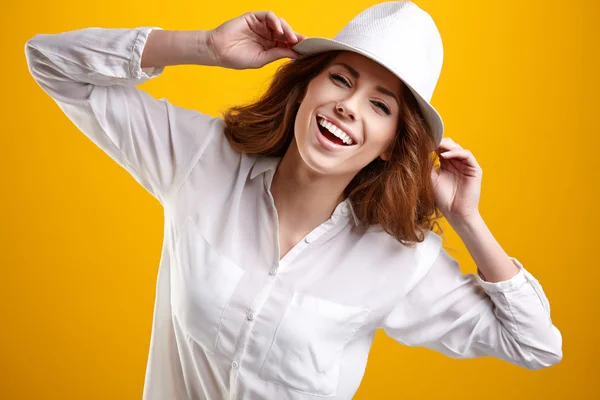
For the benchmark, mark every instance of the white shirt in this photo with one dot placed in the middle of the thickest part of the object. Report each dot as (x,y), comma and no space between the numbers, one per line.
(231,320)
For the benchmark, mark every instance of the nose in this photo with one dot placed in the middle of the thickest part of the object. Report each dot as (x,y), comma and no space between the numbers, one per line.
(343,107)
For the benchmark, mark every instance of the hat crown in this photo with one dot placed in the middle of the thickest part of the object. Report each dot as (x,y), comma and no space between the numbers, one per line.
(404,37)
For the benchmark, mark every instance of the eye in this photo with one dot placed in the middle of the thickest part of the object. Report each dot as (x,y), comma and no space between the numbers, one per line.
(383,107)
(339,78)
(380,105)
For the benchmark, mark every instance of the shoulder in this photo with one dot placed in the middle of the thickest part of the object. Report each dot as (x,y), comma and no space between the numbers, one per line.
(399,261)
(421,251)
(402,268)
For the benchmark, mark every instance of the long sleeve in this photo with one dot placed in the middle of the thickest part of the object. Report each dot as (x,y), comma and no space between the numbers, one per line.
(463,316)
(92,75)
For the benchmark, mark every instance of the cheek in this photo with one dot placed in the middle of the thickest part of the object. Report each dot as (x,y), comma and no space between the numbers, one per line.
(320,90)
(391,135)
(302,124)
(391,130)
(383,135)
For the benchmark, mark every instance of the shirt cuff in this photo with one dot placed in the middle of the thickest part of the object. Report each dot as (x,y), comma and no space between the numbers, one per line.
(135,69)
(513,283)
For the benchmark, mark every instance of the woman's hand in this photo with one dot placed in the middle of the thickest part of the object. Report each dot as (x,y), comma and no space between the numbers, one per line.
(457,184)
(253,40)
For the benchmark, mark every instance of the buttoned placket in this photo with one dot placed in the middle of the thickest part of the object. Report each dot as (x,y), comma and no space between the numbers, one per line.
(263,293)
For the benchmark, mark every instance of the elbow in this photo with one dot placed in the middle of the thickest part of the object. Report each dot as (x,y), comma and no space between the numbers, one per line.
(551,354)
(45,73)
(555,359)
(29,45)
(30,55)
(534,351)
(37,61)
(545,361)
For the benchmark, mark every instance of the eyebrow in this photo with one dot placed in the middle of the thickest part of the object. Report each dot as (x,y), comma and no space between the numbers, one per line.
(356,75)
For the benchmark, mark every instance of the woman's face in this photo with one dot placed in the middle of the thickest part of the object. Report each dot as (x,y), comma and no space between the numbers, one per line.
(357,95)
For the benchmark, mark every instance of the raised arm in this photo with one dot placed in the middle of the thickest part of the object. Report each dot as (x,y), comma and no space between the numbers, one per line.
(463,316)
(92,75)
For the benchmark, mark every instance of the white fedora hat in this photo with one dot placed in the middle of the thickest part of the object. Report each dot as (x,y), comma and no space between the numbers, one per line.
(403,38)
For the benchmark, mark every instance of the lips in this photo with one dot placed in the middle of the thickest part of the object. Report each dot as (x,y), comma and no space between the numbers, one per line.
(326,143)
(330,136)
(339,125)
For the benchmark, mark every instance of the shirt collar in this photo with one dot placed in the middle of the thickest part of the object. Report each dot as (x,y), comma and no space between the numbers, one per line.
(263,164)
(345,208)
(267,163)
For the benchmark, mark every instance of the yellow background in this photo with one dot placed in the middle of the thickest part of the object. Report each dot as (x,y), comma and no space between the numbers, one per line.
(81,239)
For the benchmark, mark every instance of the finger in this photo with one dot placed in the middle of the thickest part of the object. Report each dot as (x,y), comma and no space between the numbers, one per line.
(288,31)
(457,153)
(274,23)
(294,54)
(271,22)
(276,53)
(447,144)
(462,155)
(285,45)
(257,22)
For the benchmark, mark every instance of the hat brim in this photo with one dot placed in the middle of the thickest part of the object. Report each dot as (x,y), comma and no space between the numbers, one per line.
(315,45)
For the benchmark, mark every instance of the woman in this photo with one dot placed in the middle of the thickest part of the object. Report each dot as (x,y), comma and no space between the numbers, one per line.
(297,226)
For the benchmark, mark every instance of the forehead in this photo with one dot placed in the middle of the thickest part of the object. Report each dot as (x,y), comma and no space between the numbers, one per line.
(368,69)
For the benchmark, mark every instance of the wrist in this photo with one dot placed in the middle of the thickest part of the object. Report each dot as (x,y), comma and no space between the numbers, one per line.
(466,224)
(173,47)
(205,50)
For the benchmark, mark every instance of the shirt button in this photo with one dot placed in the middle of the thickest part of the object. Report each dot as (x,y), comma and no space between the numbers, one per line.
(308,239)
(250,316)
(273,271)
(235,364)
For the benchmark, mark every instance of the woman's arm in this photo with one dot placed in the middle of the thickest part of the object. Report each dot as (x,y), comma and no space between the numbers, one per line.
(165,47)
(462,316)
(493,264)
(92,75)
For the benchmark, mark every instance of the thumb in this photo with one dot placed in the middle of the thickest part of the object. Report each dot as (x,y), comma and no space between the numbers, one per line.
(278,52)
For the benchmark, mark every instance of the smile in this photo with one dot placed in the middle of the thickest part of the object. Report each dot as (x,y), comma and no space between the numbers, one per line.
(334,130)
(330,137)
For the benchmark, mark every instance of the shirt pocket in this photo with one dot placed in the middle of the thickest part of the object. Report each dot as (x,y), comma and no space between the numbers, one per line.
(203,282)
(307,347)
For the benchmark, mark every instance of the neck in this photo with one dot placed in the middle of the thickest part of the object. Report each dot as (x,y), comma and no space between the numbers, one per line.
(304,199)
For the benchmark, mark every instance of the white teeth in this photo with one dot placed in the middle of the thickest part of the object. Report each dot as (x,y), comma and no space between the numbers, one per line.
(336,131)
